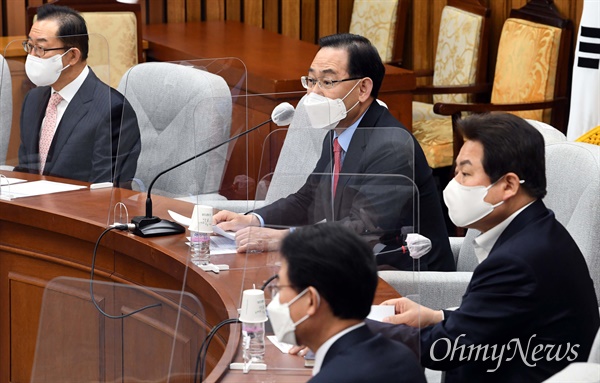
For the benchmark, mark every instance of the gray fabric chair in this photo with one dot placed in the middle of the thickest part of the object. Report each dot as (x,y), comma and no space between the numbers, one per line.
(301,142)
(181,111)
(550,133)
(573,195)
(5,109)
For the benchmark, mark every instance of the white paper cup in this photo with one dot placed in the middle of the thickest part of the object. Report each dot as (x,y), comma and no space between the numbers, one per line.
(202,219)
(253,306)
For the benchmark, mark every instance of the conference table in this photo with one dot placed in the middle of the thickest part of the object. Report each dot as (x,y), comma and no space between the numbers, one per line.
(48,236)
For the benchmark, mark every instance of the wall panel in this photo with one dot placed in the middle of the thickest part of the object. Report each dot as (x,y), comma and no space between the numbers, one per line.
(327,13)
(215,9)
(308,26)
(290,18)
(253,12)
(193,10)
(271,15)
(233,10)
(176,11)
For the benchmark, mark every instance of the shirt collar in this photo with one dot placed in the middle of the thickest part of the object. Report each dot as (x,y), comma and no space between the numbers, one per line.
(346,136)
(322,351)
(484,242)
(68,92)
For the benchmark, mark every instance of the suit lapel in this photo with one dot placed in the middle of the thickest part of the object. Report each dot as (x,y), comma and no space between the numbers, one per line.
(77,109)
(531,213)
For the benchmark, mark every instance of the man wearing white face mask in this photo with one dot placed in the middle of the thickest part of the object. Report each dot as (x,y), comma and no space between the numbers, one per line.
(513,299)
(365,141)
(73,125)
(326,286)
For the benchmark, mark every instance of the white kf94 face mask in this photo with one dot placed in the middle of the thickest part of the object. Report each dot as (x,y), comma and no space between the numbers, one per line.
(281,320)
(43,72)
(324,112)
(465,203)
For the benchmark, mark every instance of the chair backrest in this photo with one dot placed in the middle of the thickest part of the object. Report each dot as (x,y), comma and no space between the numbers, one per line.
(550,133)
(383,22)
(573,184)
(533,60)
(5,109)
(461,54)
(119,23)
(181,111)
(301,142)
(595,351)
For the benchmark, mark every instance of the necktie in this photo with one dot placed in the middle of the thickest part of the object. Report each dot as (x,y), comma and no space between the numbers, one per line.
(337,162)
(48,129)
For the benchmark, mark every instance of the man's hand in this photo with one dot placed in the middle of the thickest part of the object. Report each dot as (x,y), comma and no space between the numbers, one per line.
(230,221)
(298,350)
(258,239)
(412,314)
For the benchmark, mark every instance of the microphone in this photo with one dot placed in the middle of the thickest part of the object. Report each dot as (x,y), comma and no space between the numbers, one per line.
(151,226)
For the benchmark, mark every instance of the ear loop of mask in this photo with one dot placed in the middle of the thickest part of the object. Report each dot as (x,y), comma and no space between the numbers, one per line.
(305,317)
(61,56)
(350,91)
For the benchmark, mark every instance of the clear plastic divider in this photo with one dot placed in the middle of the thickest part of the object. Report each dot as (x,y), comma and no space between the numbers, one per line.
(376,197)
(92,331)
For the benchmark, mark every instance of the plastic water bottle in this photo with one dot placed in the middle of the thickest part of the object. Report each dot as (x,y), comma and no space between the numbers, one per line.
(200,248)
(253,339)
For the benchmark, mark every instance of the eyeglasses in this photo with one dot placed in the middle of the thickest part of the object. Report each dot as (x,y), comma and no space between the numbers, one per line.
(37,50)
(274,289)
(309,82)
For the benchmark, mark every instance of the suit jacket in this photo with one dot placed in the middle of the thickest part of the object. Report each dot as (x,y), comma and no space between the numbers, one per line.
(361,356)
(533,293)
(383,175)
(97,137)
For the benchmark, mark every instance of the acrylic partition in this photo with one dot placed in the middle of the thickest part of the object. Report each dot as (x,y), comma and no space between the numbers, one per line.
(97,331)
(376,197)
(190,115)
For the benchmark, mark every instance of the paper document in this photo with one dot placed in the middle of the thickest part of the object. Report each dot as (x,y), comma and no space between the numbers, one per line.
(378,312)
(34,188)
(283,347)
(227,234)
(181,219)
(10,181)
(222,245)
(185,221)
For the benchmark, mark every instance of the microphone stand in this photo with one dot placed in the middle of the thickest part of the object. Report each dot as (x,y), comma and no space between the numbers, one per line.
(151,226)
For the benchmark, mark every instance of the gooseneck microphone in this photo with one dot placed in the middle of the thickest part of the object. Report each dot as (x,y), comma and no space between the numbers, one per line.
(152,226)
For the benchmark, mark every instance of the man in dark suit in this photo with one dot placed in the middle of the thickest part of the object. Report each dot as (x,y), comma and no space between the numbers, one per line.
(530,307)
(379,161)
(325,288)
(92,133)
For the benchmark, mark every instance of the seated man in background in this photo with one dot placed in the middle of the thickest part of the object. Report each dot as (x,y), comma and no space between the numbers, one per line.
(73,125)
(326,286)
(530,307)
(342,87)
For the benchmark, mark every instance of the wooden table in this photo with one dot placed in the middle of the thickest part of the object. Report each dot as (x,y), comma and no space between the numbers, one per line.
(54,235)
(274,65)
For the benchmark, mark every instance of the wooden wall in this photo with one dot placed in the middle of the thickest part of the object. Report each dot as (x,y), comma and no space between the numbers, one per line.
(306,19)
